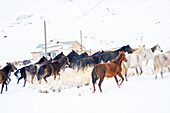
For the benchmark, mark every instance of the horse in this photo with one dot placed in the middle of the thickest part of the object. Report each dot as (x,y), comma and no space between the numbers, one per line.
(160,62)
(53,68)
(98,54)
(72,55)
(75,59)
(4,74)
(87,62)
(109,70)
(42,59)
(111,55)
(58,56)
(9,74)
(33,68)
(22,71)
(152,51)
(134,61)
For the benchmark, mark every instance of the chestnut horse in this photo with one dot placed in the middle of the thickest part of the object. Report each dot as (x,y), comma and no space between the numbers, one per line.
(5,73)
(109,70)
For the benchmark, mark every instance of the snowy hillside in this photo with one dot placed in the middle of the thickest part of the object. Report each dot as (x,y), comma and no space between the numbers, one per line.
(108,23)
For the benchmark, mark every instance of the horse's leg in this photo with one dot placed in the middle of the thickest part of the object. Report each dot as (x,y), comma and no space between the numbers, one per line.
(117,81)
(162,72)
(19,79)
(2,87)
(147,62)
(46,77)
(25,79)
(54,76)
(6,86)
(9,80)
(137,70)
(126,70)
(94,89)
(169,69)
(32,78)
(120,75)
(59,75)
(156,69)
(141,71)
(100,83)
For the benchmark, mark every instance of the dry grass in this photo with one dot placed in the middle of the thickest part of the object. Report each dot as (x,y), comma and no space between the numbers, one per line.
(68,79)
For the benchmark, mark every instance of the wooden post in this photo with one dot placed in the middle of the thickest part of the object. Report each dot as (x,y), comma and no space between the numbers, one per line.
(45,38)
(81,41)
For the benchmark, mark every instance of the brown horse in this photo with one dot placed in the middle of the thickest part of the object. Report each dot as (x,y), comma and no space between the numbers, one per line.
(5,73)
(108,70)
(54,68)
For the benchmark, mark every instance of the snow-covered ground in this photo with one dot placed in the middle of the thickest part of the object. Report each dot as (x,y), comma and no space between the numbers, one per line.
(141,94)
(105,24)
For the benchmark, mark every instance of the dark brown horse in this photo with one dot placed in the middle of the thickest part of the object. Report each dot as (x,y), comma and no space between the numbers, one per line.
(5,73)
(108,70)
(52,69)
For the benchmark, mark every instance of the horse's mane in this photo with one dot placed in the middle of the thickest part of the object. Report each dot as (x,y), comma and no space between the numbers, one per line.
(140,50)
(153,48)
(6,67)
(41,60)
(59,56)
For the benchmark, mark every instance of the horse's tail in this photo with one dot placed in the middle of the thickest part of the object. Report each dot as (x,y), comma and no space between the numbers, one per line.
(16,73)
(156,64)
(94,75)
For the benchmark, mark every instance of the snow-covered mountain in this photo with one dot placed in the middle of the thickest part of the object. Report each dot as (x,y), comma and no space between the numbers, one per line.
(105,24)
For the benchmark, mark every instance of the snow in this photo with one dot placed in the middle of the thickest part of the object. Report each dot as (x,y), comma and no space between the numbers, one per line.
(105,24)
(139,94)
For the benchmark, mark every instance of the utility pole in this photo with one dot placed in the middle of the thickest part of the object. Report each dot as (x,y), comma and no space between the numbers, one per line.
(81,41)
(45,38)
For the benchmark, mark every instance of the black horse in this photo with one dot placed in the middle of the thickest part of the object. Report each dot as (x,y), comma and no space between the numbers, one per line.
(72,56)
(42,59)
(5,73)
(22,71)
(58,56)
(75,59)
(111,55)
(87,62)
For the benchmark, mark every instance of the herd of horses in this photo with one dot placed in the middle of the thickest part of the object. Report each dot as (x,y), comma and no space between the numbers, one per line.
(104,64)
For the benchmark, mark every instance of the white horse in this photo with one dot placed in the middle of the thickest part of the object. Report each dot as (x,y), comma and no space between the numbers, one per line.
(152,52)
(134,60)
(160,62)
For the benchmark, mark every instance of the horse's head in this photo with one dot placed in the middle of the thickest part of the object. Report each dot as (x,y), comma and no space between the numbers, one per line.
(158,48)
(72,54)
(61,54)
(11,67)
(128,49)
(42,60)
